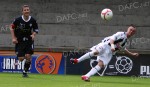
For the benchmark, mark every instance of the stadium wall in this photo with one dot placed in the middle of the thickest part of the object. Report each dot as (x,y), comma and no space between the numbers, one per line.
(76,24)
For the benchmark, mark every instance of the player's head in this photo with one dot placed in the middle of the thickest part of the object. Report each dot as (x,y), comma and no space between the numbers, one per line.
(25,10)
(131,30)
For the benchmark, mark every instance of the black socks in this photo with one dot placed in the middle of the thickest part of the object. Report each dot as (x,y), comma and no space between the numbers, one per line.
(27,65)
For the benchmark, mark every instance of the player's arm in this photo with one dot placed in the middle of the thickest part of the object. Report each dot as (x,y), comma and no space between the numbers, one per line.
(14,39)
(35,30)
(113,38)
(131,53)
(112,45)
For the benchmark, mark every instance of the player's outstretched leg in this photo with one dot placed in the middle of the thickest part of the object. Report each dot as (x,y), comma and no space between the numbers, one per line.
(84,57)
(74,61)
(92,72)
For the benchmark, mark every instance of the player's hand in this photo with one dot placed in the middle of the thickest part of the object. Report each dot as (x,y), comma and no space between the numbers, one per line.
(113,49)
(32,36)
(135,54)
(14,40)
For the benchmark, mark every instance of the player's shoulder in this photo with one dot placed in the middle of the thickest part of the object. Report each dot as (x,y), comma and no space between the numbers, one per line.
(18,18)
(120,33)
(32,19)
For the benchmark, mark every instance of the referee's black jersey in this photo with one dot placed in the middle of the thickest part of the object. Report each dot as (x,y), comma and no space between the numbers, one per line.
(23,29)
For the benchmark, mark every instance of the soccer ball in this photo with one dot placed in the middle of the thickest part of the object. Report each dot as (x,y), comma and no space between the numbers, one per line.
(106,14)
(124,64)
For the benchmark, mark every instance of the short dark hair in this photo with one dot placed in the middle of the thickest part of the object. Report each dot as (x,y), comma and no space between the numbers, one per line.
(133,25)
(24,6)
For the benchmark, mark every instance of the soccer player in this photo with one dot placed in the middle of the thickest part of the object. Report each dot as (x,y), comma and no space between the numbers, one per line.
(23,31)
(105,49)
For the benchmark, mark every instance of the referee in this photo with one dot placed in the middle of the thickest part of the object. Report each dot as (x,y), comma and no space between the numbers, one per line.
(23,31)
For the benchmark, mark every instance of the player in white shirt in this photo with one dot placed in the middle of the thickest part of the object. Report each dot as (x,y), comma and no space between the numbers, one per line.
(105,49)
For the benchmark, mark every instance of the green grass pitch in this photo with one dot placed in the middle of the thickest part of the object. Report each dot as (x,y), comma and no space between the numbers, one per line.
(39,80)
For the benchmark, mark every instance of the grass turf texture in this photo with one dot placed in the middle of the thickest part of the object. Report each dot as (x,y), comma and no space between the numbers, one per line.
(39,80)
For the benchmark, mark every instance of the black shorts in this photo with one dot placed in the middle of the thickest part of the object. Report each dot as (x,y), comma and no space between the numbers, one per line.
(23,48)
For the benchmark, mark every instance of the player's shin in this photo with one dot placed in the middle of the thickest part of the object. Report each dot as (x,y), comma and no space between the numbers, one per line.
(27,65)
(86,56)
(93,71)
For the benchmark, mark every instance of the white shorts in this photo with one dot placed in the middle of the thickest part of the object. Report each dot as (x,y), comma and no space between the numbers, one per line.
(105,53)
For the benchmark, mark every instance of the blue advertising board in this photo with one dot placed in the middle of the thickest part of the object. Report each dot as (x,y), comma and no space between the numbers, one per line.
(41,62)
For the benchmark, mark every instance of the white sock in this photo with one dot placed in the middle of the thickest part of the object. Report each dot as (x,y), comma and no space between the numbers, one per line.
(93,71)
(86,56)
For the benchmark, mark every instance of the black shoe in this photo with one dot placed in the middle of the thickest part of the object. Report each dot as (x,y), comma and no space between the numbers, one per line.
(24,74)
(73,61)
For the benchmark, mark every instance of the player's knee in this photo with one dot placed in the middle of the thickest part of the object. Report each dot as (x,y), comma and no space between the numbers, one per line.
(21,59)
(96,53)
(93,53)
(28,57)
(101,64)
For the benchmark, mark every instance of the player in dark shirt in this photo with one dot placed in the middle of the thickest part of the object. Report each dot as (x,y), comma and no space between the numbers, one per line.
(23,31)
